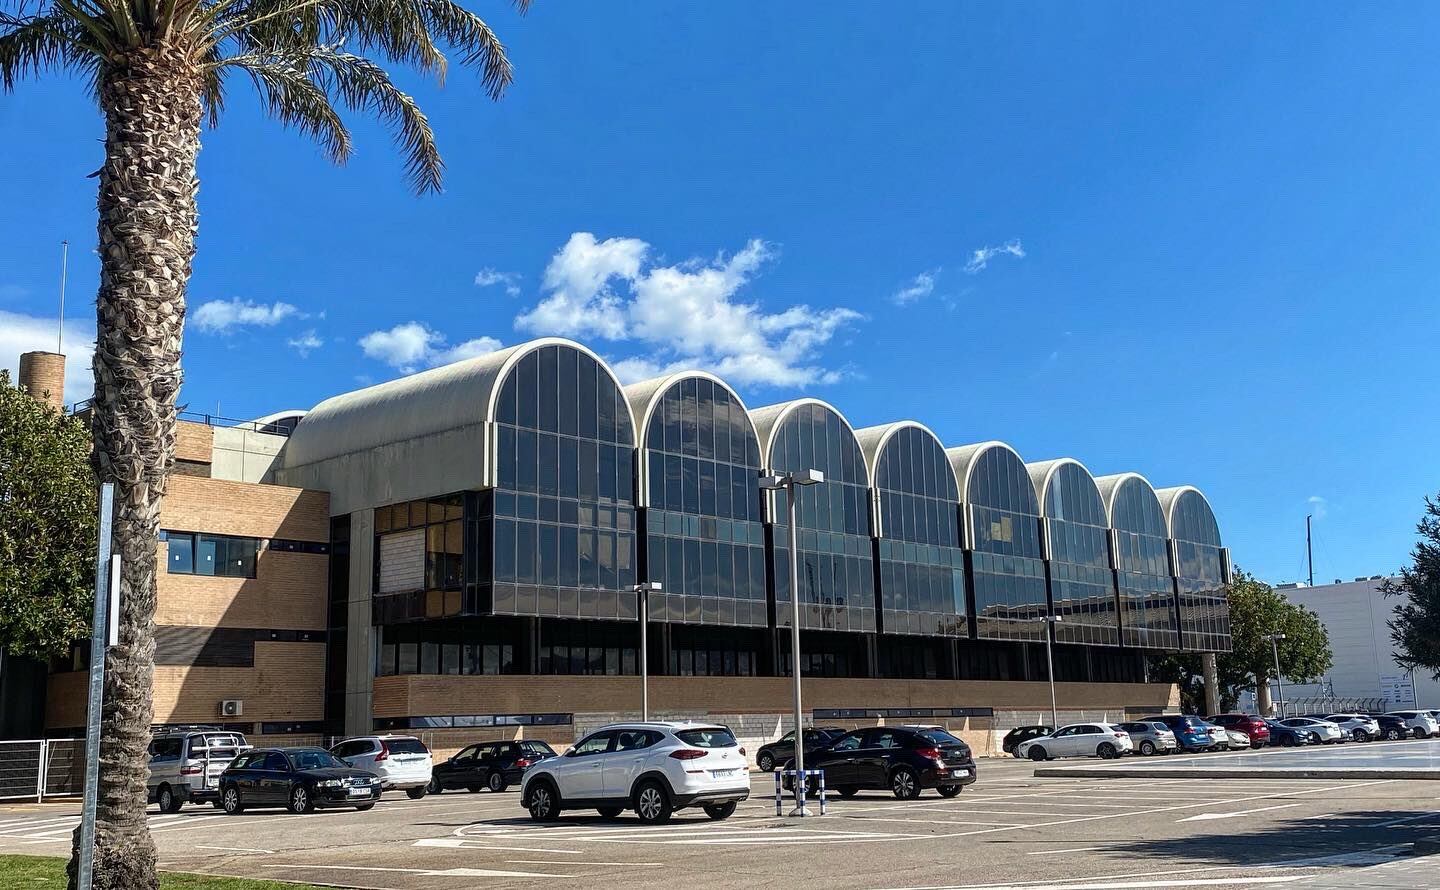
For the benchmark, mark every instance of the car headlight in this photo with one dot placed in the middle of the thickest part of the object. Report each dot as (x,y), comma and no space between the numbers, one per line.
(330,783)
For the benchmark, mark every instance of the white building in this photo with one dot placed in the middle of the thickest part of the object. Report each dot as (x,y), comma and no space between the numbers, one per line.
(1355,614)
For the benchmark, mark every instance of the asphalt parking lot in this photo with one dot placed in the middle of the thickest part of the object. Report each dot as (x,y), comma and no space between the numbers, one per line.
(1011,829)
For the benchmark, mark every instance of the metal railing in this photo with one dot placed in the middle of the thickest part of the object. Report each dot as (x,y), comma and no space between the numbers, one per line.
(1336,705)
(255,426)
(41,768)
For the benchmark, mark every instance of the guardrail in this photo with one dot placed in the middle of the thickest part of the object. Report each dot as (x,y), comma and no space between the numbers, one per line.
(41,768)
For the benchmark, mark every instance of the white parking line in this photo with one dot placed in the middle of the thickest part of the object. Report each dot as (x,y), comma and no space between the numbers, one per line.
(1071,850)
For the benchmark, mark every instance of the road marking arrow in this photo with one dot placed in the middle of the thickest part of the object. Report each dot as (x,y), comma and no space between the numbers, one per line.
(1207,816)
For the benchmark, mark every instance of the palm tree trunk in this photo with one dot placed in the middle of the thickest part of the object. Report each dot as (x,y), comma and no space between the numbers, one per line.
(152,107)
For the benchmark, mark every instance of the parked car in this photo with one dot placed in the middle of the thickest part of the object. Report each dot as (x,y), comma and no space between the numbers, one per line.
(651,768)
(1283,736)
(493,765)
(1422,725)
(1392,727)
(783,748)
(1219,736)
(1237,740)
(299,779)
(185,765)
(1325,732)
(1190,731)
(402,762)
(1359,727)
(1253,727)
(1023,733)
(1104,740)
(1151,738)
(901,759)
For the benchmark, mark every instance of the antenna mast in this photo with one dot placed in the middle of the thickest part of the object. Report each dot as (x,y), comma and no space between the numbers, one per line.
(64,264)
(1309,554)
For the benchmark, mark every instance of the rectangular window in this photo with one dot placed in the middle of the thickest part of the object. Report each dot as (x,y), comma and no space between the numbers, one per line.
(569,556)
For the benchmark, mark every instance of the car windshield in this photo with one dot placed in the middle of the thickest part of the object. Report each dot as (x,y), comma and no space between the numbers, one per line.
(939,737)
(315,759)
(708,737)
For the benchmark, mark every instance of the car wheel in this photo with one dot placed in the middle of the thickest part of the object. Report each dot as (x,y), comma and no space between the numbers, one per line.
(300,801)
(1038,754)
(1395,735)
(496,781)
(904,784)
(1147,747)
(765,762)
(847,791)
(652,804)
(1360,735)
(169,803)
(949,790)
(1421,734)
(718,811)
(435,787)
(1107,751)
(609,812)
(362,807)
(544,802)
(416,793)
(231,802)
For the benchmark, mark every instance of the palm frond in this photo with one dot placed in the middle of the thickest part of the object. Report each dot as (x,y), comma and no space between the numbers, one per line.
(291,95)
(31,45)
(365,86)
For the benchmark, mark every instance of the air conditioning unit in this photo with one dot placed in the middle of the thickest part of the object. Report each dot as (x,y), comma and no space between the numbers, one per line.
(232,708)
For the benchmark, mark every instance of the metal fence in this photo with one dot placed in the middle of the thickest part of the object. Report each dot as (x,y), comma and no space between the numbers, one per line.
(1333,705)
(41,768)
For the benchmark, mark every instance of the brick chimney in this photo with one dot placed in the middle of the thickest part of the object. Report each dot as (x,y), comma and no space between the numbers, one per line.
(42,374)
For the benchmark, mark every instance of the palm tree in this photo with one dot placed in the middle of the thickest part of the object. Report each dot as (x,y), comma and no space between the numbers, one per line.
(159,69)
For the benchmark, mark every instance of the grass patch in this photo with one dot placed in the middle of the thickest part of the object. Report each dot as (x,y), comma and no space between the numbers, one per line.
(48,872)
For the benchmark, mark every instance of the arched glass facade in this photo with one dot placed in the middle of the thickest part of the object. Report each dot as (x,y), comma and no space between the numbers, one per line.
(564,515)
(1082,582)
(705,537)
(1200,574)
(1007,567)
(1142,567)
(837,580)
(922,565)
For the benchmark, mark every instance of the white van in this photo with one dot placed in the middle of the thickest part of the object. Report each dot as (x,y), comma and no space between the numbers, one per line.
(185,765)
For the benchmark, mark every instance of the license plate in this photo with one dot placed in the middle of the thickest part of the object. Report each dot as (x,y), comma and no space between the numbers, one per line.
(962,773)
(723,773)
(359,792)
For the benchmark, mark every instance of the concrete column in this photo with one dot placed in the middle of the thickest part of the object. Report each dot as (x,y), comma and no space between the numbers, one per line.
(42,374)
(359,631)
(1212,682)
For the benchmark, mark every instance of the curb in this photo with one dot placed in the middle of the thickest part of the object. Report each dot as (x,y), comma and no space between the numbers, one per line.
(1083,772)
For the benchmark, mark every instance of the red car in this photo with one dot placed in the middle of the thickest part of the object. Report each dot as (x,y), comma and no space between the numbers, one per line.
(1252,726)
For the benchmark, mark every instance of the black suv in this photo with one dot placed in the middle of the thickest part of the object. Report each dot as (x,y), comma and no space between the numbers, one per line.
(299,779)
(493,765)
(783,748)
(902,760)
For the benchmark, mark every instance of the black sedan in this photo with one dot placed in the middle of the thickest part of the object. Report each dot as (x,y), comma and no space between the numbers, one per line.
(1019,734)
(902,760)
(783,748)
(493,765)
(1282,736)
(299,779)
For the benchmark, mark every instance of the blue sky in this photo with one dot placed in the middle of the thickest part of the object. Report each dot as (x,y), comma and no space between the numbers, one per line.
(1209,235)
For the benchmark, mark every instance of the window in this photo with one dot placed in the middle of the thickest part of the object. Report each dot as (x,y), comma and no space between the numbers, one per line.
(599,743)
(850,742)
(165,749)
(205,554)
(275,762)
(710,737)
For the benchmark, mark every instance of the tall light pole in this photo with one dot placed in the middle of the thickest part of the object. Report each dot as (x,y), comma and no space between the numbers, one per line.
(642,598)
(1050,621)
(1279,683)
(789,481)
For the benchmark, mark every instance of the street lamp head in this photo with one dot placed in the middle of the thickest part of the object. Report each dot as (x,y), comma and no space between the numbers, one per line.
(807,477)
(1054,619)
(647,586)
(775,482)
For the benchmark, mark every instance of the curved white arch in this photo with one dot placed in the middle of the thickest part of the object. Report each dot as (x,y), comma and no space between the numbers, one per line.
(646,395)
(964,458)
(769,418)
(1043,471)
(873,439)
(1170,499)
(1110,486)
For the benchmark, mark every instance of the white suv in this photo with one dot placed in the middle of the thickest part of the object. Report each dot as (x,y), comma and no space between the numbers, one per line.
(1360,727)
(401,761)
(1421,723)
(651,768)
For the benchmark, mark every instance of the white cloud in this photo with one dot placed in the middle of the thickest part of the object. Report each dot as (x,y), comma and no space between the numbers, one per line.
(981,257)
(1319,507)
(221,316)
(306,342)
(920,287)
(26,333)
(413,345)
(488,277)
(685,313)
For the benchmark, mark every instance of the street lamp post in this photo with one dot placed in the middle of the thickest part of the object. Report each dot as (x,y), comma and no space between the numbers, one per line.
(1279,682)
(1050,621)
(642,597)
(789,481)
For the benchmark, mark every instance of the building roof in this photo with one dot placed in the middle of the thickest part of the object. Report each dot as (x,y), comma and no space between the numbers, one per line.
(963,459)
(1042,471)
(872,440)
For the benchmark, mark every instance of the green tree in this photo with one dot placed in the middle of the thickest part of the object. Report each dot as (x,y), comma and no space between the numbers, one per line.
(1415,629)
(47,526)
(159,69)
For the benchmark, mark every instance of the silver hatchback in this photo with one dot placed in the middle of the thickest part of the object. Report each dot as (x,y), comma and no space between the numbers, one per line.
(1151,738)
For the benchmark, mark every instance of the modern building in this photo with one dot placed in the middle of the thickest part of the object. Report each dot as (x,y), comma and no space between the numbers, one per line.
(1356,615)
(456,551)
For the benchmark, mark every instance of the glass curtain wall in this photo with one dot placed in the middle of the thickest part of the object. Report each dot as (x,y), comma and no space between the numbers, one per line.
(1142,570)
(922,566)
(564,528)
(837,580)
(1082,583)
(705,539)
(1007,567)
(1200,581)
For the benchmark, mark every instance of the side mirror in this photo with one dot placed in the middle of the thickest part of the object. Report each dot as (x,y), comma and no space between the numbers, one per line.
(570,753)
